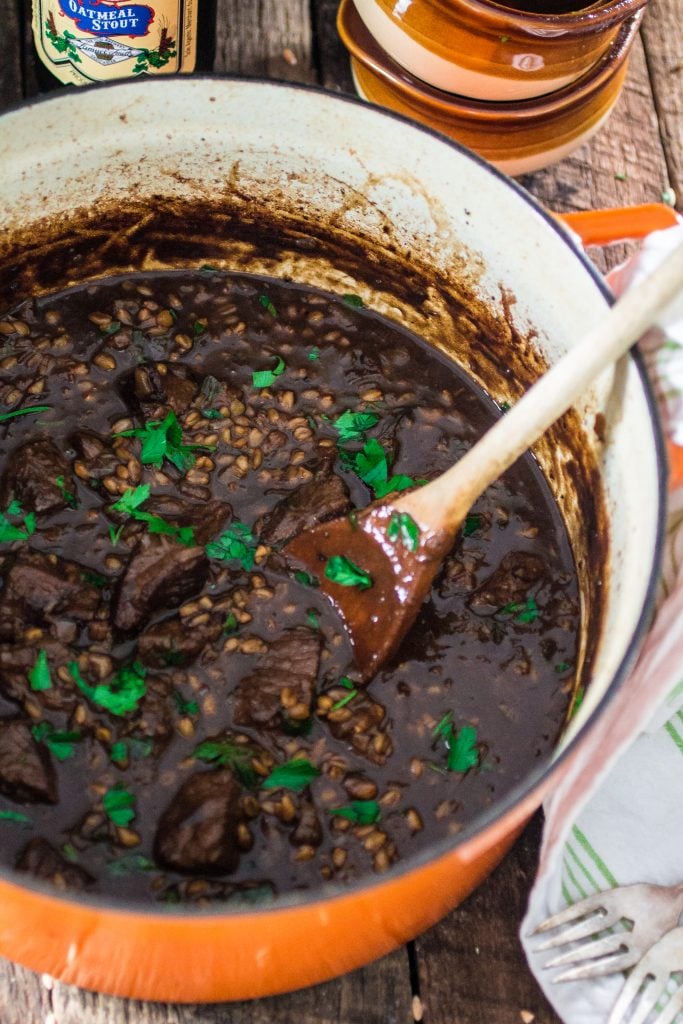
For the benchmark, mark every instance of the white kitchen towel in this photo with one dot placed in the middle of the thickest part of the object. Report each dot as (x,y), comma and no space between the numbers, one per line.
(616,817)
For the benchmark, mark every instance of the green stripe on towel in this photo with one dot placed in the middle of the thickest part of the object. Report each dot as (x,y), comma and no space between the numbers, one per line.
(573,879)
(674,734)
(595,886)
(595,857)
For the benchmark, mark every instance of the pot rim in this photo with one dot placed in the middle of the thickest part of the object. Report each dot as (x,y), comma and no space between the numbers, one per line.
(587,21)
(544,772)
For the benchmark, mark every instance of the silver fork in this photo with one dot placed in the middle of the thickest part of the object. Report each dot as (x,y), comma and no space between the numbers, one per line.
(650,910)
(647,984)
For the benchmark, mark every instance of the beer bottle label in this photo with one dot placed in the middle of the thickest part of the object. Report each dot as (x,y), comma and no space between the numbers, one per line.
(83,41)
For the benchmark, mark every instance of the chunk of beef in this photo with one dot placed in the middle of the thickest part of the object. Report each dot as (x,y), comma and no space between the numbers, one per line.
(321,499)
(148,391)
(26,771)
(31,475)
(154,719)
(17,660)
(198,830)
(361,722)
(169,642)
(509,583)
(217,394)
(41,859)
(207,519)
(284,680)
(160,574)
(42,590)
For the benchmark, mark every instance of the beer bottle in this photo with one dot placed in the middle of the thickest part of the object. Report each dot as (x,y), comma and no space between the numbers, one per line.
(80,42)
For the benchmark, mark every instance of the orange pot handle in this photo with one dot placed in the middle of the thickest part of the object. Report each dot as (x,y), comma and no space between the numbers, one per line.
(675,454)
(619,224)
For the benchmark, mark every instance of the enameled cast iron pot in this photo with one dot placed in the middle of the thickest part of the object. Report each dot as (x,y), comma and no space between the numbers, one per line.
(299,183)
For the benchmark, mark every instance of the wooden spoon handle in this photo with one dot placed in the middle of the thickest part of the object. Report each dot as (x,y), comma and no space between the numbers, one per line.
(444,503)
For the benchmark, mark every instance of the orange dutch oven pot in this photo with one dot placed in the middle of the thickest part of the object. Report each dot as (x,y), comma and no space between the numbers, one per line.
(156,174)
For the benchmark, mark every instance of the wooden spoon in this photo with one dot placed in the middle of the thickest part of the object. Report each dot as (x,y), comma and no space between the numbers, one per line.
(399,544)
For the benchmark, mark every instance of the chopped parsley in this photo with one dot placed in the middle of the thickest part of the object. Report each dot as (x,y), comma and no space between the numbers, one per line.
(372,466)
(119,805)
(342,570)
(352,426)
(131,499)
(562,666)
(523,612)
(264,378)
(354,301)
(360,812)
(313,618)
(185,707)
(163,439)
(231,755)
(267,305)
(132,747)
(348,685)
(314,353)
(121,695)
(212,414)
(237,543)
(471,524)
(296,775)
(9,532)
(129,864)
(130,503)
(199,327)
(305,579)
(119,752)
(402,526)
(23,819)
(94,578)
(24,412)
(61,744)
(578,701)
(68,496)
(231,624)
(39,676)
(111,328)
(461,745)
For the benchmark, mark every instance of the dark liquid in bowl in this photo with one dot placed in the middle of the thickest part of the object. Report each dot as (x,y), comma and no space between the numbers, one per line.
(179,712)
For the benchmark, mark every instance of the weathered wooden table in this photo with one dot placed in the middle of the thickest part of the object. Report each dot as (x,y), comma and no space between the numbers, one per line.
(469,969)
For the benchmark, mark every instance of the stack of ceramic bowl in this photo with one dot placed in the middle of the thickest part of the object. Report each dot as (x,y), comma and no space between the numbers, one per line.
(522,82)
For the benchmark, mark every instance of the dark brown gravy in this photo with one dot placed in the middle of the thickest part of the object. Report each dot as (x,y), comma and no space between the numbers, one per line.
(226,651)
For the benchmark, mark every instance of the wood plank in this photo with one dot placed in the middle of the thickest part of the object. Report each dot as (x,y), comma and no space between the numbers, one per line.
(377,994)
(472,967)
(332,59)
(265,38)
(623,164)
(663,38)
(11,65)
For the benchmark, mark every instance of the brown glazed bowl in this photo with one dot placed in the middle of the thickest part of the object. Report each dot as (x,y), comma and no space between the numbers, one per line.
(518,137)
(307,185)
(490,51)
